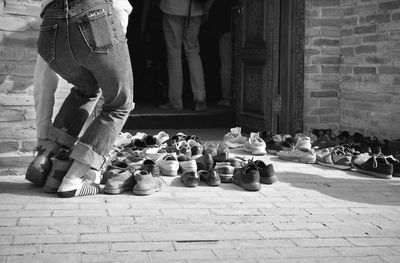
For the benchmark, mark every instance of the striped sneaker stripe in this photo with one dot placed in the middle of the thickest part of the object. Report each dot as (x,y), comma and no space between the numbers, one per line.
(88,189)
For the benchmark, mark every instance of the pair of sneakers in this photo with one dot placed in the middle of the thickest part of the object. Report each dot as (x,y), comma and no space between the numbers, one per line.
(301,152)
(252,174)
(143,181)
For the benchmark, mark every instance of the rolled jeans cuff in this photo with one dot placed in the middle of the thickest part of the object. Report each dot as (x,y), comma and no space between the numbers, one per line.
(85,154)
(42,131)
(61,137)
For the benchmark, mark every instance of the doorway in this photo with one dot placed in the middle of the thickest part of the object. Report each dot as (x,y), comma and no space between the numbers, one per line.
(269,65)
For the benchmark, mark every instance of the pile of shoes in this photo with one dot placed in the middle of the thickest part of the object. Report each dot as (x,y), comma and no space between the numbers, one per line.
(369,155)
(138,162)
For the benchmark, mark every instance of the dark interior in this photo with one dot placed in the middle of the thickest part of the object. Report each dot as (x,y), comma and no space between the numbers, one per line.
(148,56)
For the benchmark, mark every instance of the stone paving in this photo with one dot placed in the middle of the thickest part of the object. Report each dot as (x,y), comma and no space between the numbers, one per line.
(313,214)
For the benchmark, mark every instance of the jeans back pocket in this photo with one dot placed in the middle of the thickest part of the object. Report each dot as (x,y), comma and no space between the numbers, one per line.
(47,42)
(99,31)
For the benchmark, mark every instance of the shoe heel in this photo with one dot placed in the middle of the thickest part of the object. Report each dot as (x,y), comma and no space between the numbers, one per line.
(67,194)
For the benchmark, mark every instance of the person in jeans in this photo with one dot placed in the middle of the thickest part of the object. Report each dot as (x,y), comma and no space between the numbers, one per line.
(81,41)
(181,23)
(46,82)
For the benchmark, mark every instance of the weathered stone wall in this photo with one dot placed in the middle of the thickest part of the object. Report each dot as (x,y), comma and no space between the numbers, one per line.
(19,29)
(352,63)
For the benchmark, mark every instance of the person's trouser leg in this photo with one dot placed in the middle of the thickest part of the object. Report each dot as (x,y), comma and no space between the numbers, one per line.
(192,53)
(173,34)
(91,53)
(225,57)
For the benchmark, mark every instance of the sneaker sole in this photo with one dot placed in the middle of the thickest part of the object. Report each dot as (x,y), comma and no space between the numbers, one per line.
(375,174)
(340,167)
(299,160)
(116,191)
(256,186)
(146,192)
(226,178)
(49,190)
(268,180)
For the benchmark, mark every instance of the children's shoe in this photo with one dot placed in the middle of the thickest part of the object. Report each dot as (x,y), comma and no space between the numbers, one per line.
(247,177)
(255,145)
(169,165)
(71,187)
(146,183)
(234,138)
(267,172)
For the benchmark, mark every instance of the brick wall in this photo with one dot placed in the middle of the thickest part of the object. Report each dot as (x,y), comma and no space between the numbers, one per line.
(353,66)
(19,29)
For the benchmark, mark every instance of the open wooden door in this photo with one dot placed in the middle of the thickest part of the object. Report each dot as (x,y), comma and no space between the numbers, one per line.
(257,63)
(268,71)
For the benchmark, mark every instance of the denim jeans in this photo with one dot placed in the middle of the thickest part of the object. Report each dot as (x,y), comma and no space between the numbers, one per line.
(177,33)
(81,41)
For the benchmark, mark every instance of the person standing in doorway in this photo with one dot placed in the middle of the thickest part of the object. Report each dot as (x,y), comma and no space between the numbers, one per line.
(219,23)
(181,23)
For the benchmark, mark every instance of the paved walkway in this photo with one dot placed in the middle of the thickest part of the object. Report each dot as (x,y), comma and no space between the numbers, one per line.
(313,214)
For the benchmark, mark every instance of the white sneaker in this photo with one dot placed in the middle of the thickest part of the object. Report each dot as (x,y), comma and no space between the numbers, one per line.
(71,187)
(169,165)
(234,138)
(255,144)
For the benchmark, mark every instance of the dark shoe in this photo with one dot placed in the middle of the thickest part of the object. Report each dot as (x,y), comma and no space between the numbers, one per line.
(374,165)
(222,153)
(267,172)
(200,105)
(210,177)
(151,167)
(146,183)
(58,170)
(119,181)
(39,168)
(205,162)
(396,164)
(247,177)
(169,106)
(225,171)
(190,179)
(392,147)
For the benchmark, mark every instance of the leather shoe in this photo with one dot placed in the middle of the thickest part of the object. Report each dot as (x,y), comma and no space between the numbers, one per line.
(38,169)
